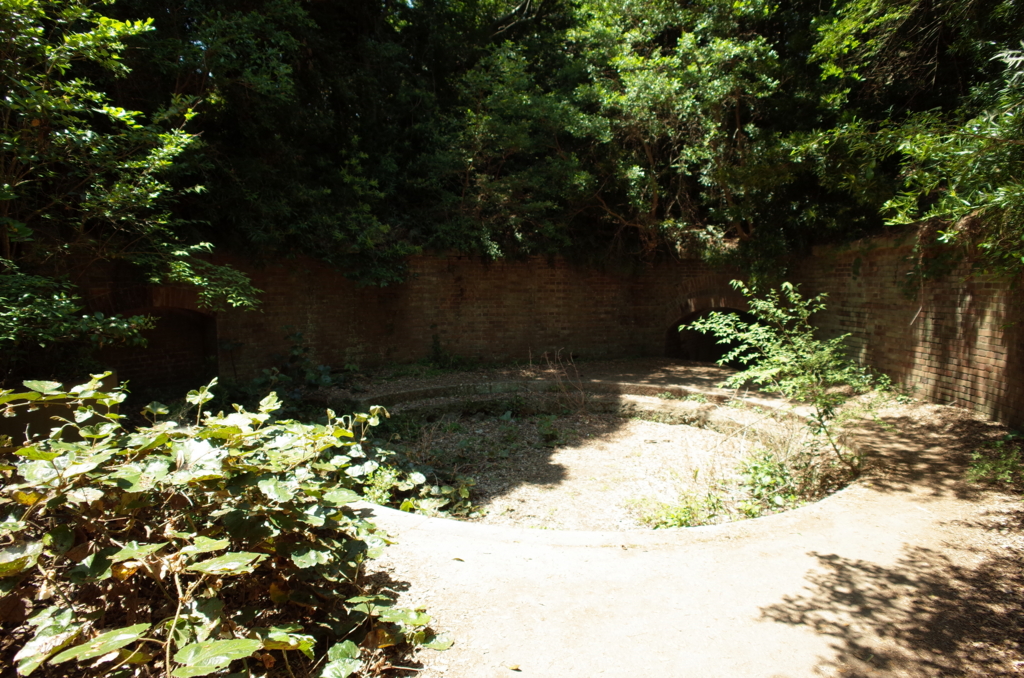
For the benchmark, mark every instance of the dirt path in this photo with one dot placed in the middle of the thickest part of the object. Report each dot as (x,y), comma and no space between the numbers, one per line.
(910,572)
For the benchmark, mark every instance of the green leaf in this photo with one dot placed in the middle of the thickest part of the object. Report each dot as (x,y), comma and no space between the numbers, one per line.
(37,472)
(133,551)
(343,650)
(16,559)
(44,387)
(202,659)
(340,497)
(209,614)
(364,469)
(181,633)
(8,397)
(156,408)
(202,395)
(309,557)
(205,545)
(198,460)
(55,629)
(270,403)
(404,616)
(95,567)
(144,441)
(342,660)
(313,515)
(34,453)
(377,599)
(286,638)
(142,476)
(341,668)
(229,564)
(60,539)
(439,643)
(102,644)
(276,490)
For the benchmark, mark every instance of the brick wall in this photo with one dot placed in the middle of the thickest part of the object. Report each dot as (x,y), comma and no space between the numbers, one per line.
(954,340)
(494,311)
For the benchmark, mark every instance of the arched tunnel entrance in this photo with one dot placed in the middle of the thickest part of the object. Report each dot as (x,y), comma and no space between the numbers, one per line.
(692,345)
(180,352)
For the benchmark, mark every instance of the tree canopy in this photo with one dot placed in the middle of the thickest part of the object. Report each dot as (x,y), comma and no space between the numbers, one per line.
(361,131)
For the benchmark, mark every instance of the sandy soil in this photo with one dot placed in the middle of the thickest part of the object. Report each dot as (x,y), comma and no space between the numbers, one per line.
(912,571)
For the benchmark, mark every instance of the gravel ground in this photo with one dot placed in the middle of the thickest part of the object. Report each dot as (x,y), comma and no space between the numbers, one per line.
(581,471)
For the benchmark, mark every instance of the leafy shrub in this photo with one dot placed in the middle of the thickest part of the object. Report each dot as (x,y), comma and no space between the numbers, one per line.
(781,351)
(690,510)
(191,549)
(769,484)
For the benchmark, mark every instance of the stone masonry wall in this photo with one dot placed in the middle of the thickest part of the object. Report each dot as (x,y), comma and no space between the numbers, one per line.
(957,339)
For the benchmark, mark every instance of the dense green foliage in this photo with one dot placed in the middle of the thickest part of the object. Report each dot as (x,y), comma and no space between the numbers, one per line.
(999,460)
(40,316)
(937,96)
(186,548)
(83,180)
(361,131)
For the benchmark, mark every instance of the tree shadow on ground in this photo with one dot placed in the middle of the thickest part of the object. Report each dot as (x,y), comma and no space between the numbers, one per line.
(502,451)
(931,614)
(699,376)
(910,452)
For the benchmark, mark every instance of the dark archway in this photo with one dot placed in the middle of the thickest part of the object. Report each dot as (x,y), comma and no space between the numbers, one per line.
(180,352)
(693,345)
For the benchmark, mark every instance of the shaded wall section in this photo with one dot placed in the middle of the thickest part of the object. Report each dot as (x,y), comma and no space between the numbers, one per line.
(461,305)
(688,344)
(955,339)
(181,350)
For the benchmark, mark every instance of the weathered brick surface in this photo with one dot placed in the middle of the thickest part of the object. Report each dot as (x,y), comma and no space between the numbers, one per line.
(955,339)
(509,310)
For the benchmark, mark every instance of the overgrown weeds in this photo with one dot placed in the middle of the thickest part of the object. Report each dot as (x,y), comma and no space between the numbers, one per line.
(1000,461)
(784,467)
(782,353)
(225,542)
(572,395)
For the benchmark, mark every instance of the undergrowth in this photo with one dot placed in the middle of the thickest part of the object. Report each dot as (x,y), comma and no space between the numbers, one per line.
(224,542)
(786,467)
(1000,461)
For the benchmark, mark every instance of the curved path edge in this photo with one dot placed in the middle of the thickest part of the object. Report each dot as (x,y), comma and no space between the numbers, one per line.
(854,585)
